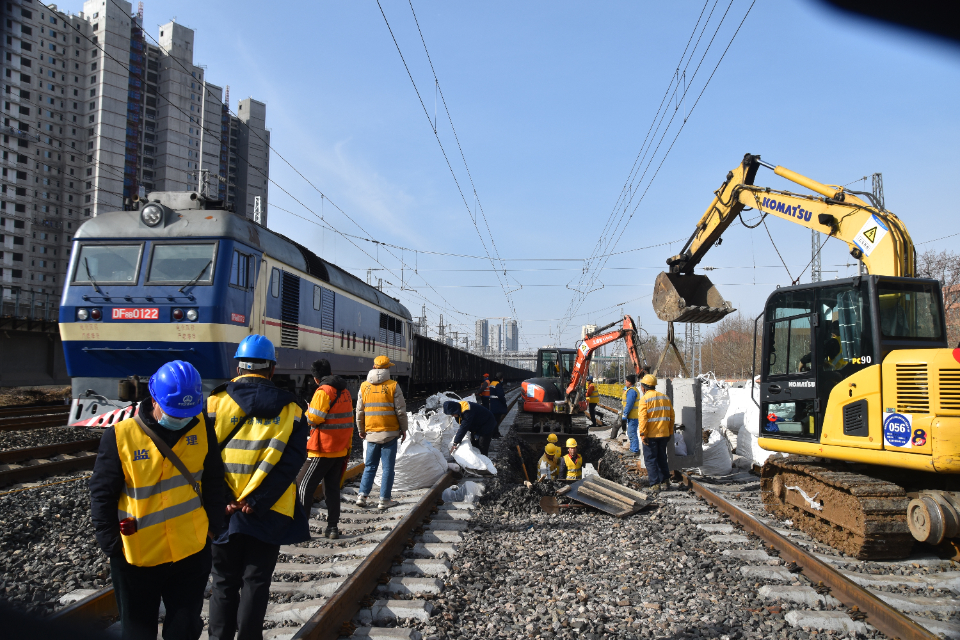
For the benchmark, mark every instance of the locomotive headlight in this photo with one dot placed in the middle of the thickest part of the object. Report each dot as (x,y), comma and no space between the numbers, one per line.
(95,314)
(191,314)
(151,215)
(178,314)
(82,314)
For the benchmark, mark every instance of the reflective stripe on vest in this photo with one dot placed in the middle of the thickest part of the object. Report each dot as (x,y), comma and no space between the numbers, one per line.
(593,396)
(574,469)
(332,426)
(548,468)
(635,411)
(379,412)
(155,493)
(658,407)
(252,453)
(485,389)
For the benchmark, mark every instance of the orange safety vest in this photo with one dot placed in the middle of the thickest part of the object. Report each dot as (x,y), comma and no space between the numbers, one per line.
(378,408)
(331,428)
(485,389)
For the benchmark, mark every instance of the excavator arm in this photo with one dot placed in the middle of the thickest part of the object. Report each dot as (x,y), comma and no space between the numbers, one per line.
(874,235)
(594,341)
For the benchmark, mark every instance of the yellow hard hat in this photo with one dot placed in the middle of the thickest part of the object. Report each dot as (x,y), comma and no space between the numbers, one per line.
(551,449)
(571,442)
(552,438)
(382,362)
(649,381)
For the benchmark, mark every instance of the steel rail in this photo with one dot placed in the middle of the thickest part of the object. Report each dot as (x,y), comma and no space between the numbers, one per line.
(881,615)
(344,604)
(14,412)
(33,422)
(47,451)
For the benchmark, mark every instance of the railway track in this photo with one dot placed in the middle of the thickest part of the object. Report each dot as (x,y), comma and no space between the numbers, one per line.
(34,463)
(386,567)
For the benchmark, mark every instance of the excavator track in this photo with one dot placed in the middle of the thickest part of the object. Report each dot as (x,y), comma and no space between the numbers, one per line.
(859,514)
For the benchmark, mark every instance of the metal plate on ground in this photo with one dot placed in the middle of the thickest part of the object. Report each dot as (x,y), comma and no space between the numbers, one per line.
(608,496)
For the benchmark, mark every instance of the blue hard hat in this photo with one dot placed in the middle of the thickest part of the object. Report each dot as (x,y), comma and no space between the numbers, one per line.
(256,347)
(178,389)
(451,408)
(589,378)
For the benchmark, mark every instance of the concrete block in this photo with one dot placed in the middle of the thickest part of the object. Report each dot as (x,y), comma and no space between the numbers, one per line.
(691,508)
(451,515)
(423,567)
(75,595)
(387,633)
(441,536)
(392,610)
(918,604)
(358,551)
(939,627)
(825,621)
(277,633)
(317,588)
(412,586)
(728,538)
(449,506)
(751,555)
(342,568)
(947,580)
(716,528)
(299,612)
(704,517)
(685,394)
(775,574)
(446,525)
(433,550)
(806,596)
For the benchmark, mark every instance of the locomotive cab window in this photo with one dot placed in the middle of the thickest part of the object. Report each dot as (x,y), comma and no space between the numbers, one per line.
(107,264)
(275,283)
(240,270)
(182,264)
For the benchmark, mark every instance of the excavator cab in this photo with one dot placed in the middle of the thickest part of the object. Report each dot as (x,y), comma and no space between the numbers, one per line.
(544,406)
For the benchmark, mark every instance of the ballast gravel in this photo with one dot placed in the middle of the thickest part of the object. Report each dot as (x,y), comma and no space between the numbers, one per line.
(45,436)
(48,547)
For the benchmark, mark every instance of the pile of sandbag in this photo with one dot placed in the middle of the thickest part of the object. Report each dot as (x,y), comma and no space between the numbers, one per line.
(419,464)
(748,450)
(715,399)
(717,460)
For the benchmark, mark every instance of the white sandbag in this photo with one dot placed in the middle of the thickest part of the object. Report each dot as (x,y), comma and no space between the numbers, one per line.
(436,401)
(738,399)
(466,492)
(679,444)
(747,448)
(589,470)
(714,401)
(418,466)
(716,456)
(469,457)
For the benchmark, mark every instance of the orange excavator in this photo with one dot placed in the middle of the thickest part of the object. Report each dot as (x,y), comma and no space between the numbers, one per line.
(550,404)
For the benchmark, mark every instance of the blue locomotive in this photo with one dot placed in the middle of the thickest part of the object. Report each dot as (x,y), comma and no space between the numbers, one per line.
(178,280)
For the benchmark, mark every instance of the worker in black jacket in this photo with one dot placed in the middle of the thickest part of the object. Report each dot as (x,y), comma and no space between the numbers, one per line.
(146,515)
(474,419)
(262,435)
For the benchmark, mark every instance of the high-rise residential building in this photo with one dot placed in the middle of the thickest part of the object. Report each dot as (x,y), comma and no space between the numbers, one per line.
(512,338)
(482,335)
(496,338)
(96,113)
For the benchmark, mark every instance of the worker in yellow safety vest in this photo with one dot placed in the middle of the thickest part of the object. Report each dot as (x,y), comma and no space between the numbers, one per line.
(593,398)
(382,422)
(571,465)
(330,416)
(655,416)
(262,438)
(631,412)
(549,465)
(152,515)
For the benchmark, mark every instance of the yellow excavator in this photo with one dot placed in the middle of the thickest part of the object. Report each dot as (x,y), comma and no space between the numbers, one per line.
(857,383)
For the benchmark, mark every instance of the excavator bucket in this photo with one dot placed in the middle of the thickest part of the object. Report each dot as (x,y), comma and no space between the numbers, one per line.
(688,298)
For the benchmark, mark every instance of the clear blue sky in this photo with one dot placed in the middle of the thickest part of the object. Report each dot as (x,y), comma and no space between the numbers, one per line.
(551,103)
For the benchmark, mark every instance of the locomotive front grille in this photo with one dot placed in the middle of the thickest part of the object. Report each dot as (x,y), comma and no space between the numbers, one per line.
(950,389)
(913,389)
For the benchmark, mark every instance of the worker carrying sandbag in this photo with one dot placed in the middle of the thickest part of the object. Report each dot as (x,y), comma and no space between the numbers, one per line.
(571,465)
(473,419)
(549,465)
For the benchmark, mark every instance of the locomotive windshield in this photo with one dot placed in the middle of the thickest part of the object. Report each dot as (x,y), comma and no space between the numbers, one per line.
(182,263)
(107,264)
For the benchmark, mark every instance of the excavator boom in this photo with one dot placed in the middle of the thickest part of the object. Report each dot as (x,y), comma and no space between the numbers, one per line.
(874,235)
(595,340)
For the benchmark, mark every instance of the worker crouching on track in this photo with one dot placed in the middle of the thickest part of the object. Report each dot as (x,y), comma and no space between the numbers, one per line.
(549,465)
(498,402)
(473,419)
(151,513)
(571,465)
(262,436)
(656,427)
(382,421)
(330,417)
(593,398)
(631,411)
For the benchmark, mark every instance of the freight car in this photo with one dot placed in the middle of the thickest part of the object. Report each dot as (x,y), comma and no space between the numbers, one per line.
(183,279)
(438,366)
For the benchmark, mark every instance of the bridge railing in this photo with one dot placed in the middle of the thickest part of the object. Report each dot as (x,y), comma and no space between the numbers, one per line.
(17,303)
